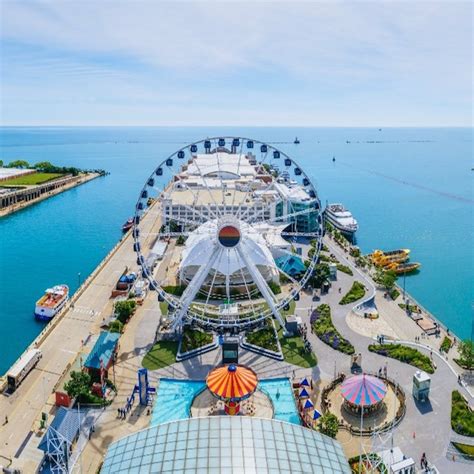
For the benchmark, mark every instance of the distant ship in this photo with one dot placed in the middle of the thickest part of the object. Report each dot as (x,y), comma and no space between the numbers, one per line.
(296,141)
(128,225)
(51,302)
(341,219)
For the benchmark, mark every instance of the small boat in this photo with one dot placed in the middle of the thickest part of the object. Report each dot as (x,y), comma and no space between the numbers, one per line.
(341,218)
(333,159)
(296,142)
(128,225)
(381,258)
(51,302)
(402,268)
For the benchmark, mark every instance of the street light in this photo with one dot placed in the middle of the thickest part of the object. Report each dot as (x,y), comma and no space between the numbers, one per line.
(79,280)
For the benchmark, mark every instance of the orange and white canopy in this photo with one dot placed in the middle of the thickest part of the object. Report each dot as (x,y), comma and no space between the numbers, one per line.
(232,383)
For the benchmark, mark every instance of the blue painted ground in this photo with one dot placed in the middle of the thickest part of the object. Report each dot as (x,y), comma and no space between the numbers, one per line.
(407,187)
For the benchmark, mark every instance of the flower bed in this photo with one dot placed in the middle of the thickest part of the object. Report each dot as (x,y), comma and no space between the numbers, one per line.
(356,292)
(462,417)
(322,325)
(409,355)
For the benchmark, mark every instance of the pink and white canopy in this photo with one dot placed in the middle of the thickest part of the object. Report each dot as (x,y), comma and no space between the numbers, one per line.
(363,390)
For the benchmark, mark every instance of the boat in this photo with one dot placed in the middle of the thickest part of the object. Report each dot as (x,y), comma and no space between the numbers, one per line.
(382,258)
(51,302)
(403,268)
(341,218)
(128,225)
(296,142)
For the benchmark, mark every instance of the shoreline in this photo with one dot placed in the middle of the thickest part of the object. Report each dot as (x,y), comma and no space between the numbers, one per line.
(64,184)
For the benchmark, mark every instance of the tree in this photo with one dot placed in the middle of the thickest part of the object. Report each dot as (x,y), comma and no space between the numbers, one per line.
(180,240)
(329,425)
(79,385)
(124,309)
(466,354)
(320,274)
(1,163)
(18,164)
(44,166)
(385,278)
(116,326)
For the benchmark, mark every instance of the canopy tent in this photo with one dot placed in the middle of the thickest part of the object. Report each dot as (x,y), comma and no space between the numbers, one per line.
(102,351)
(363,390)
(316,415)
(232,383)
(308,404)
(304,393)
(304,382)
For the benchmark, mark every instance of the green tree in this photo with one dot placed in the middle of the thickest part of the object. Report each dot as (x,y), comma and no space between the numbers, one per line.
(116,326)
(180,240)
(18,164)
(385,278)
(124,309)
(329,425)
(79,385)
(320,275)
(466,354)
(1,163)
(44,166)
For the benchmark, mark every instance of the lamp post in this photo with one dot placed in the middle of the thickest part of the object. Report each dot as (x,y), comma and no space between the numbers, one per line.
(79,280)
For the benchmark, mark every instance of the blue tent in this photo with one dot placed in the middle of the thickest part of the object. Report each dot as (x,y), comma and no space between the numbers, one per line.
(64,428)
(102,350)
(308,404)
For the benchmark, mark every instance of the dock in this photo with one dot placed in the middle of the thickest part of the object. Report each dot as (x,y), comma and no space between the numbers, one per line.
(16,198)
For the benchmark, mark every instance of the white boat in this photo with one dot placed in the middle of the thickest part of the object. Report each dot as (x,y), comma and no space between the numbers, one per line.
(51,302)
(341,218)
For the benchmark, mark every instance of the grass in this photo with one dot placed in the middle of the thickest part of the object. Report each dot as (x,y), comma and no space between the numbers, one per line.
(162,354)
(164,308)
(294,352)
(446,344)
(194,339)
(323,327)
(264,338)
(31,179)
(409,355)
(356,292)
(290,310)
(344,269)
(462,417)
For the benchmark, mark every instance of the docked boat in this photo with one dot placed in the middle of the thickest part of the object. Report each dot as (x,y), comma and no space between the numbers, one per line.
(341,218)
(381,258)
(128,225)
(402,268)
(51,302)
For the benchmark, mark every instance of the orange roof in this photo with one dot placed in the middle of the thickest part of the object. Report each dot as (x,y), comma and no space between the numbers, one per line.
(232,382)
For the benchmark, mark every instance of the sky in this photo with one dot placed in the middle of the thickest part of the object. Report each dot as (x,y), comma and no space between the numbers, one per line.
(335,63)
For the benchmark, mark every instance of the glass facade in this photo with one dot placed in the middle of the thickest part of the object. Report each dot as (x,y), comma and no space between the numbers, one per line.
(226,445)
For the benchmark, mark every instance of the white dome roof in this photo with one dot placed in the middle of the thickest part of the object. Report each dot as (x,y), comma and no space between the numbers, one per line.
(204,242)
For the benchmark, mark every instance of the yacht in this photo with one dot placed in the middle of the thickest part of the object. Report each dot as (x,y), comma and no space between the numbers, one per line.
(51,302)
(341,218)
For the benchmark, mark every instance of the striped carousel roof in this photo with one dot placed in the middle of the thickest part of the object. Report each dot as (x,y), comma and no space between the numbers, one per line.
(232,382)
(363,390)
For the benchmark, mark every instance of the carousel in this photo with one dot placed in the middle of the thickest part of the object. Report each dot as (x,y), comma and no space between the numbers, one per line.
(232,384)
(363,394)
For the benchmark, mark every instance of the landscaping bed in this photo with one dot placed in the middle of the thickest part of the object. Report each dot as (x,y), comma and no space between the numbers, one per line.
(446,344)
(344,269)
(409,355)
(194,339)
(264,338)
(356,292)
(322,325)
(294,352)
(462,417)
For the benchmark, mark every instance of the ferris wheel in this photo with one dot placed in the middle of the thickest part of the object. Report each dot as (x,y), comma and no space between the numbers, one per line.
(227,231)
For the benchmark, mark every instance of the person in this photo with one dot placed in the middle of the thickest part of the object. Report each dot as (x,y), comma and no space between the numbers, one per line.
(6,419)
(340,289)
(118,412)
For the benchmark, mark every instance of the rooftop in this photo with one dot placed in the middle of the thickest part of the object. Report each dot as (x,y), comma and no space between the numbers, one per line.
(102,350)
(226,444)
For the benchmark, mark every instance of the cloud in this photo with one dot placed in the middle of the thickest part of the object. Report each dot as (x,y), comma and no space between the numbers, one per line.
(320,55)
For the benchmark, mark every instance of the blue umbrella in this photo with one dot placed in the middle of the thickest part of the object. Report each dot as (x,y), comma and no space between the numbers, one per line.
(316,415)
(304,393)
(308,404)
(305,382)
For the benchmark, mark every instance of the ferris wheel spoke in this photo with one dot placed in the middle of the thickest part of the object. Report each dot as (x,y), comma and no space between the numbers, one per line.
(246,285)
(238,171)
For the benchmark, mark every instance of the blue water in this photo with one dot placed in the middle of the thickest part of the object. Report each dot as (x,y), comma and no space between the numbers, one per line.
(174,399)
(281,394)
(407,187)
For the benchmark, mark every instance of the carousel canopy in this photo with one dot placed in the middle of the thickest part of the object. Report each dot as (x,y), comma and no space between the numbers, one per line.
(232,382)
(363,390)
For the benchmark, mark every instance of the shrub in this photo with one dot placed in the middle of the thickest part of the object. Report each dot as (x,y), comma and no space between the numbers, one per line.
(446,344)
(323,327)
(78,385)
(394,294)
(344,269)
(275,287)
(193,339)
(409,355)
(329,425)
(116,326)
(124,309)
(462,417)
(356,292)
(264,338)
(175,290)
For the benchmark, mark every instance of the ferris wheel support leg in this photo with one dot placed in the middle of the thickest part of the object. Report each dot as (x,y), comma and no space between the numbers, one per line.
(264,289)
(191,291)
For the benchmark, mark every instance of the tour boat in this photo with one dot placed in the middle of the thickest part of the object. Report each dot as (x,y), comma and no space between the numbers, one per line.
(341,218)
(381,258)
(128,225)
(51,302)
(401,268)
